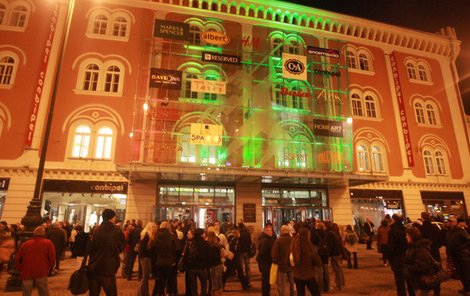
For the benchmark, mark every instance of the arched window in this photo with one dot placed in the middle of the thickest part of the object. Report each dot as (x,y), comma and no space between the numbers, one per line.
(428,162)
(91,76)
(351,59)
(431,114)
(280,98)
(363,158)
(370,107)
(3,11)
(422,73)
(411,70)
(112,79)
(18,16)
(100,24)
(7,68)
(189,75)
(440,163)
(356,103)
(104,143)
(363,62)
(195,34)
(277,46)
(81,141)
(120,26)
(377,159)
(419,112)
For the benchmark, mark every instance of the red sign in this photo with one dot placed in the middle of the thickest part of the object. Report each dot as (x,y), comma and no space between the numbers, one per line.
(401,107)
(250,42)
(296,93)
(40,81)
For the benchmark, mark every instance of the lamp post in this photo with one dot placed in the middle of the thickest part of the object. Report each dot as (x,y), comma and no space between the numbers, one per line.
(33,217)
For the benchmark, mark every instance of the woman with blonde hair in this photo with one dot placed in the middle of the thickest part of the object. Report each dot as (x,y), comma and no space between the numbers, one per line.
(147,236)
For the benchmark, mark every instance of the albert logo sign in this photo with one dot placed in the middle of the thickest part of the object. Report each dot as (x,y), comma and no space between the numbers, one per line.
(215,38)
(294,66)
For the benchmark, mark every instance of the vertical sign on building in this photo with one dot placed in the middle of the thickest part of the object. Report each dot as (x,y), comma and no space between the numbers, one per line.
(41,77)
(401,108)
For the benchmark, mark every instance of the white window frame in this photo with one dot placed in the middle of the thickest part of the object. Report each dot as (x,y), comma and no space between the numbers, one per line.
(102,77)
(371,157)
(111,17)
(12,55)
(370,109)
(435,161)
(198,71)
(10,13)
(360,60)
(108,148)
(429,110)
(418,71)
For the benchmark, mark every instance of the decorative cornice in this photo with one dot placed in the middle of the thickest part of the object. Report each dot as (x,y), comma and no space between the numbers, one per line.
(443,43)
(404,185)
(64,174)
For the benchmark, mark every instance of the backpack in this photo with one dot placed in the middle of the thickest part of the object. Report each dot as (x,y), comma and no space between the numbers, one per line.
(351,238)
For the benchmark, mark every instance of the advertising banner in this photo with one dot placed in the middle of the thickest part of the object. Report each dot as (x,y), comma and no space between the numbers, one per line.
(206,134)
(294,66)
(85,186)
(171,30)
(401,108)
(208,86)
(221,58)
(215,38)
(327,128)
(324,52)
(163,78)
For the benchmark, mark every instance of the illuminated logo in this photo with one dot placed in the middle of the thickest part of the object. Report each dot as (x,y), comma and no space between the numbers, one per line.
(215,38)
(294,66)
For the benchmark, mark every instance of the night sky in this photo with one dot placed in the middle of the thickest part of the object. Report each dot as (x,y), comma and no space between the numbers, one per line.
(424,15)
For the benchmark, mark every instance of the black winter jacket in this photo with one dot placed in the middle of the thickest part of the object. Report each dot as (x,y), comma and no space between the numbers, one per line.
(396,245)
(165,248)
(418,262)
(104,248)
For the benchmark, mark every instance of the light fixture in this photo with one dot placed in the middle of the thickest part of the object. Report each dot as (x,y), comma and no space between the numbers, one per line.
(349,120)
(145,106)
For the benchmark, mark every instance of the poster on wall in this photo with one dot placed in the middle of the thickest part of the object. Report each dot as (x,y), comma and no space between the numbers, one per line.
(206,134)
(294,66)
(208,86)
(249,212)
(163,78)
(171,30)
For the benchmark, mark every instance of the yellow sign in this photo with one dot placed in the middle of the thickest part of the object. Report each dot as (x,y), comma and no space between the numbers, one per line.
(206,134)
(215,38)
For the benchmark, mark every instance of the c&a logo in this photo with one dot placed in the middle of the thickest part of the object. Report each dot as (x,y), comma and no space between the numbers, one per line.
(294,66)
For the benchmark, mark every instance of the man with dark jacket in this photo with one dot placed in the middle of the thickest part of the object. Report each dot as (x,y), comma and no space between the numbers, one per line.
(34,260)
(458,248)
(165,248)
(132,240)
(265,244)
(369,230)
(198,262)
(58,239)
(335,247)
(106,244)
(396,252)
(432,233)
(244,244)
(280,256)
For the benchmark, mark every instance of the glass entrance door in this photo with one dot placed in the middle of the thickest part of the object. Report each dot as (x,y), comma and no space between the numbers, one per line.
(282,215)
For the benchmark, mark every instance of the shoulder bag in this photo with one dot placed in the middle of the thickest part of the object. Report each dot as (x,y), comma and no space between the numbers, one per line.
(78,282)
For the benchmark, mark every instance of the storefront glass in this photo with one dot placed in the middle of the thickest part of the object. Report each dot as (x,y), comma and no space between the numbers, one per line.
(443,205)
(203,204)
(281,205)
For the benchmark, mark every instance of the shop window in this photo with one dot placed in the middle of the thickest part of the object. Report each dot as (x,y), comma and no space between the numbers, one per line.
(111,25)
(418,71)
(8,67)
(88,138)
(101,78)
(359,59)
(426,111)
(435,162)
(364,104)
(81,141)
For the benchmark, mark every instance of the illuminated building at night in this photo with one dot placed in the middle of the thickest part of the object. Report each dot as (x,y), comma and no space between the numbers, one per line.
(204,110)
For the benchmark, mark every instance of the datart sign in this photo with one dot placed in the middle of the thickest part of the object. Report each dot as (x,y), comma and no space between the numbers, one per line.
(294,66)
(171,30)
(163,78)
(208,86)
(327,128)
(215,38)
(324,52)
(401,108)
(221,58)
(206,134)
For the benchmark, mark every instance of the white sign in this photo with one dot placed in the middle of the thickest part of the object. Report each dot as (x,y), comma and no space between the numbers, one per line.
(208,86)
(294,66)
(206,134)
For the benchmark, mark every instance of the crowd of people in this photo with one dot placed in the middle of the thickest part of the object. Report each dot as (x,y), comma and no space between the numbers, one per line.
(299,259)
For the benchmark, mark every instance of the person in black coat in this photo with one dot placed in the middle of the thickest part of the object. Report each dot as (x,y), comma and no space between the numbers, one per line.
(265,244)
(81,241)
(133,239)
(197,262)
(165,248)
(396,253)
(433,233)
(369,230)
(104,248)
(244,245)
(458,248)
(58,239)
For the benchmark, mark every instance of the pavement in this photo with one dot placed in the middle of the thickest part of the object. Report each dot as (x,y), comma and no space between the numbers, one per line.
(372,278)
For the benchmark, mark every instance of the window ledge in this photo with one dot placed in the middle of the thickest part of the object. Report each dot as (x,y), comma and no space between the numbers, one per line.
(12,28)
(430,83)
(6,86)
(107,37)
(359,71)
(97,93)
(72,158)
(367,118)
(430,125)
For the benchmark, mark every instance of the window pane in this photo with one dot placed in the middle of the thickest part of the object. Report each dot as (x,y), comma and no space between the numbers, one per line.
(81,142)
(112,79)
(120,27)
(422,73)
(428,163)
(100,25)
(7,64)
(363,158)
(90,81)
(440,163)
(351,58)
(411,71)
(18,16)
(356,105)
(419,111)
(431,114)
(370,107)
(377,159)
(363,62)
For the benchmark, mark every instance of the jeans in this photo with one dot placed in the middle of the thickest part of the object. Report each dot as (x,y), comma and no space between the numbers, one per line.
(216,274)
(399,275)
(245,262)
(108,283)
(231,268)
(354,255)
(311,285)
(130,265)
(194,274)
(41,284)
(282,277)
(323,278)
(146,263)
(265,285)
(384,251)
(165,279)
(338,270)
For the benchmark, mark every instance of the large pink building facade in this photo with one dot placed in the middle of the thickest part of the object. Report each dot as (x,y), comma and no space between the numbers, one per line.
(221,110)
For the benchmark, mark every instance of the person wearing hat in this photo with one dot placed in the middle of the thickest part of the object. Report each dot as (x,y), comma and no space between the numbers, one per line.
(457,247)
(106,244)
(34,260)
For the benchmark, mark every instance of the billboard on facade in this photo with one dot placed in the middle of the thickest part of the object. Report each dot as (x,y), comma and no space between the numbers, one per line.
(164,78)
(327,128)
(294,66)
(324,52)
(221,58)
(208,86)
(206,134)
(171,30)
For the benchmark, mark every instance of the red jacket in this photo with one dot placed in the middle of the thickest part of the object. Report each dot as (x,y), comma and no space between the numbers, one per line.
(35,258)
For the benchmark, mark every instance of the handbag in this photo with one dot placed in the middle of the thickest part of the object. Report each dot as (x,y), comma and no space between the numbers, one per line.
(437,275)
(273,274)
(180,265)
(252,251)
(78,282)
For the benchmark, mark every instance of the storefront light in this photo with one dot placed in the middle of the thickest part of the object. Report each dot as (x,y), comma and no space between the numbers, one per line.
(349,120)
(145,106)
(131,134)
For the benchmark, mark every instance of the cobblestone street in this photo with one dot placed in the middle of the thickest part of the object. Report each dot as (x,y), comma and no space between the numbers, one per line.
(372,278)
